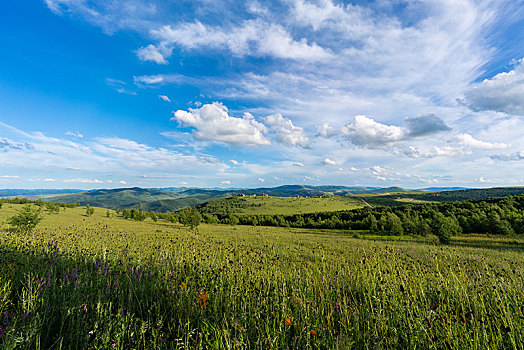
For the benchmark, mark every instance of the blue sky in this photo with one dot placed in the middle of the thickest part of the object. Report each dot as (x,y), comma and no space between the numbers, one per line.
(114,93)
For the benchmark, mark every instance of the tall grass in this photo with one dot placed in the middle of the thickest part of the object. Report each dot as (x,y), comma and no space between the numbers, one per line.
(104,283)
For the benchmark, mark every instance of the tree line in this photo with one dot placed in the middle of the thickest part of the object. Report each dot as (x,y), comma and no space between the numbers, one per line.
(494,216)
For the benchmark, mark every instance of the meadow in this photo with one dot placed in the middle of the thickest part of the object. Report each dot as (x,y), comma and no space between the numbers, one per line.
(103,282)
(262,205)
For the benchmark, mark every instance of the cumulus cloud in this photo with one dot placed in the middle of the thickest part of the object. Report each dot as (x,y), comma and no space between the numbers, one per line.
(234,162)
(225,182)
(261,179)
(328,161)
(425,125)
(151,53)
(325,130)
(502,93)
(367,132)
(213,123)
(469,141)
(286,132)
(164,98)
(377,170)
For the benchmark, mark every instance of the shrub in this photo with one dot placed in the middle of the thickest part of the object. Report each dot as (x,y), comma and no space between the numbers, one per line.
(26,218)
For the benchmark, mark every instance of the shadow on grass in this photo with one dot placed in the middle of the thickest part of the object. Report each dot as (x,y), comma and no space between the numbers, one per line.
(473,241)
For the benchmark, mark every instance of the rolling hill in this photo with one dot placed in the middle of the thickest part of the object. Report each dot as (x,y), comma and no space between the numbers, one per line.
(171,199)
(163,200)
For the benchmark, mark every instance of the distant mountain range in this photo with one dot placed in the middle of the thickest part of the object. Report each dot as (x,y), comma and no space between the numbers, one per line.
(35,192)
(170,199)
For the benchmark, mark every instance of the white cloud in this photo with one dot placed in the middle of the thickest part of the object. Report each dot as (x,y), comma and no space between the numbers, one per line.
(325,130)
(256,8)
(502,93)
(225,182)
(449,151)
(234,162)
(9,176)
(469,141)
(213,123)
(122,182)
(164,98)
(151,53)
(328,161)
(75,134)
(120,86)
(365,131)
(517,156)
(49,180)
(80,180)
(377,169)
(148,79)
(261,179)
(299,164)
(287,133)
(251,38)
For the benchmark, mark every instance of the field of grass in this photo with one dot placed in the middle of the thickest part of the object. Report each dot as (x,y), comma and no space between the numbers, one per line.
(98,282)
(294,205)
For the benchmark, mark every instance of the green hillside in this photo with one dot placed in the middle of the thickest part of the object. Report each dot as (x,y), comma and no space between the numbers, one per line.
(171,199)
(165,200)
(419,197)
(262,205)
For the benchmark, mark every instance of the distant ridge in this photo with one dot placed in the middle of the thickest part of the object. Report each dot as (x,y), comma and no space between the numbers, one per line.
(171,199)
(438,189)
(35,192)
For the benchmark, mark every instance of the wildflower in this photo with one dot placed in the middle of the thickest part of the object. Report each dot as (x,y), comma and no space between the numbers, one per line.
(313,332)
(203,299)
(287,321)
(113,345)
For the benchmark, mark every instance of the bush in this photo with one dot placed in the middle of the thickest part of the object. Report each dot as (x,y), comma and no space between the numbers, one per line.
(26,218)
(89,210)
(190,217)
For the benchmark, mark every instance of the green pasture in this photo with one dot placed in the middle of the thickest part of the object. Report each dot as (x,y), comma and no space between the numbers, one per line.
(108,283)
(262,205)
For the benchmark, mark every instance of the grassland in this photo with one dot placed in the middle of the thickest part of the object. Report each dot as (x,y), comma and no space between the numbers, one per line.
(261,205)
(104,282)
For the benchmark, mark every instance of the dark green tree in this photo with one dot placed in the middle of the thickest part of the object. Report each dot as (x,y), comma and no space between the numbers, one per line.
(190,217)
(444,227)
(393,225)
